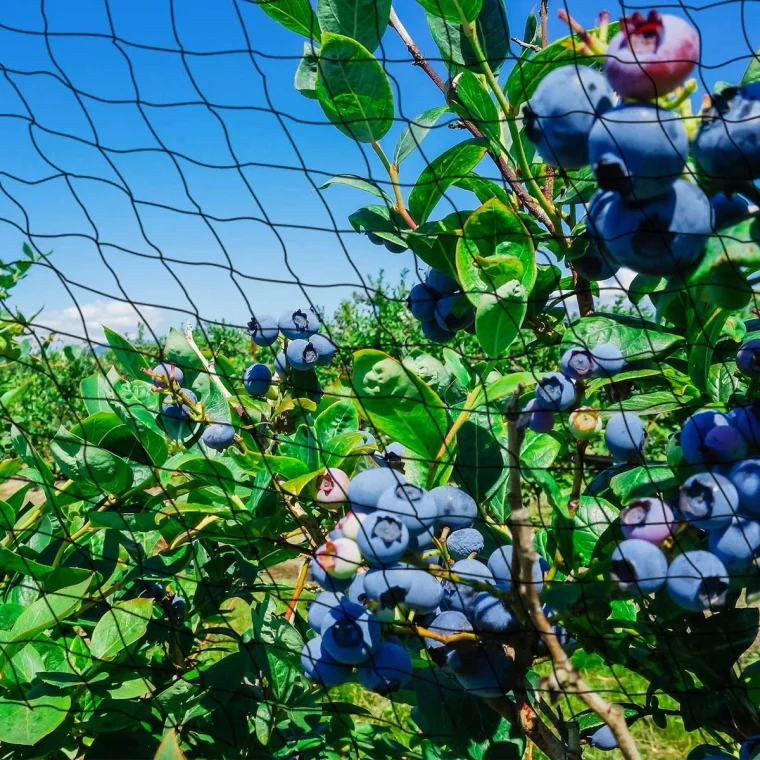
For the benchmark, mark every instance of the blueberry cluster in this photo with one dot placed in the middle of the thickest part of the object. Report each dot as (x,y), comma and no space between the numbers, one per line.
(644,215)
(395,530)
(173,604)
(441,307)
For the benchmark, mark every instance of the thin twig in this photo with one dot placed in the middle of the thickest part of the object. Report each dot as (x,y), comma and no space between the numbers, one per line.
(300,583)
(206,366)
(528,45)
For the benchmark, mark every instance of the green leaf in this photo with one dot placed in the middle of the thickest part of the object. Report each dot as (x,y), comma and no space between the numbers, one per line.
(484,189)
(131,359)
(453,10)
(752,74)
(436,242)
(722,638)
(413,135)
(456,50)
(340,417)
(363,20)
(306,74)
(359,183)
(178,351)
(399,404)
(643,481)
(579,187)
(338,448)
(440,174)
(481,456)
(123,625)
(141,421)
(28,720)
(637,338)
(499,317)
(737,244)
(169,748)
(472,101)
(353,89)
(95,392)
(295,15)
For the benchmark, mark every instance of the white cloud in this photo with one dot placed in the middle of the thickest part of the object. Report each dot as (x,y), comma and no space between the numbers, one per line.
(84,322)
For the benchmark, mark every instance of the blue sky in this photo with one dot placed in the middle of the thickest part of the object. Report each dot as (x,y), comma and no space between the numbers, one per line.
(160,149)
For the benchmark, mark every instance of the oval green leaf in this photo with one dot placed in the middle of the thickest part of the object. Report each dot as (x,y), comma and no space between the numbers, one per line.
(453,10)
(295,15)
(123,625)
(27,721)
(411,138)
(363,20)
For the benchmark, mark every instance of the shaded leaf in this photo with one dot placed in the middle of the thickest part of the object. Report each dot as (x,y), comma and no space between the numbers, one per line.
(123,625)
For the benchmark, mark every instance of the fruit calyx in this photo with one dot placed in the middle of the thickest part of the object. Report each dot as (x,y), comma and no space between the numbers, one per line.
(643,33)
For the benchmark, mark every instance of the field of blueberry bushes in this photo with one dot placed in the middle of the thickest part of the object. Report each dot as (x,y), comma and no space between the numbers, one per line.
(478,514)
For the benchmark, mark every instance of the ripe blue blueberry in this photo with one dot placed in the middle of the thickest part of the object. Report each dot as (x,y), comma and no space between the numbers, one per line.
(388,670)
(257,379)
(491,614)
(281,364)
(745,477)
(494,676)
(726,143)
(320,667)
(368,486)
(500,564)
(156,590)
(394,247)
(464,542)
(708,500)
(420,542)
(725,445)
(661,236)
(299,323)
(456,654)
(325,349)
(747,421)
(562,111)
(455,509)
(375,239)
(625,437)
(167,371)
(748,358)
(302,355)
(555,392)
(578,363)
(322,604)
(729,209)
(697,580)
(403,584)
(638,150)
(382,538)
(596,264)
(263,330)
(412,504)
(392,455)
(603,739)
(541,420)
(461,596)
(350,633)
(609,360)
(648,519)
(219,436)
(454,313)
(694,436)
(421,302)
(737,544)
(638,567)
(433,331)
(177,411)
(178,608)
(447,623)
(750,749)
(441,283)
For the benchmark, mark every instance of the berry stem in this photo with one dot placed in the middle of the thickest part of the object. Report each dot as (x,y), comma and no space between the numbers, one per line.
(392,170)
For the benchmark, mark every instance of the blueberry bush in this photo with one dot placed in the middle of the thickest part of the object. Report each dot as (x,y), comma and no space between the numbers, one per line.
(353,547)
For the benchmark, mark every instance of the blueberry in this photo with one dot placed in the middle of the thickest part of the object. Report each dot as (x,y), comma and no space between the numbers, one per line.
(729,209)
(541,420)
(562,111)
(325,349)
(555,392)
(320,667)
(651,55)
(219,436)
(281,364)
(461,543)
(302,355)
(402,584)
(736,545)
(697,580)
(694,436)
(638,567)
(726,144)
(394,247)
(367,487)
(340,558)
(387,671)
(441,283)
(603,739)
(597,263)
(459,654)
(708,500)
(412,504)
(750,749)
(609,360)
(177,412)
(391,456)
(447,623)
(324,602)
(350,633)
(382,538)
(491,614)
(648,519)
(263,330)
(578,364)
(494,676)
(585,423)
(299,323)
(167,371)
(421,302)
(156,590)
(454,313)
(745,477)
(747,421)
(356,592)
(375,239)
(433,331)
(665,235)
(420,542)
(178,608)
(454,508)
(461,596)
(748,358)
(625,437)
(329,583)
(500,564)
(638,150)
(257,379)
